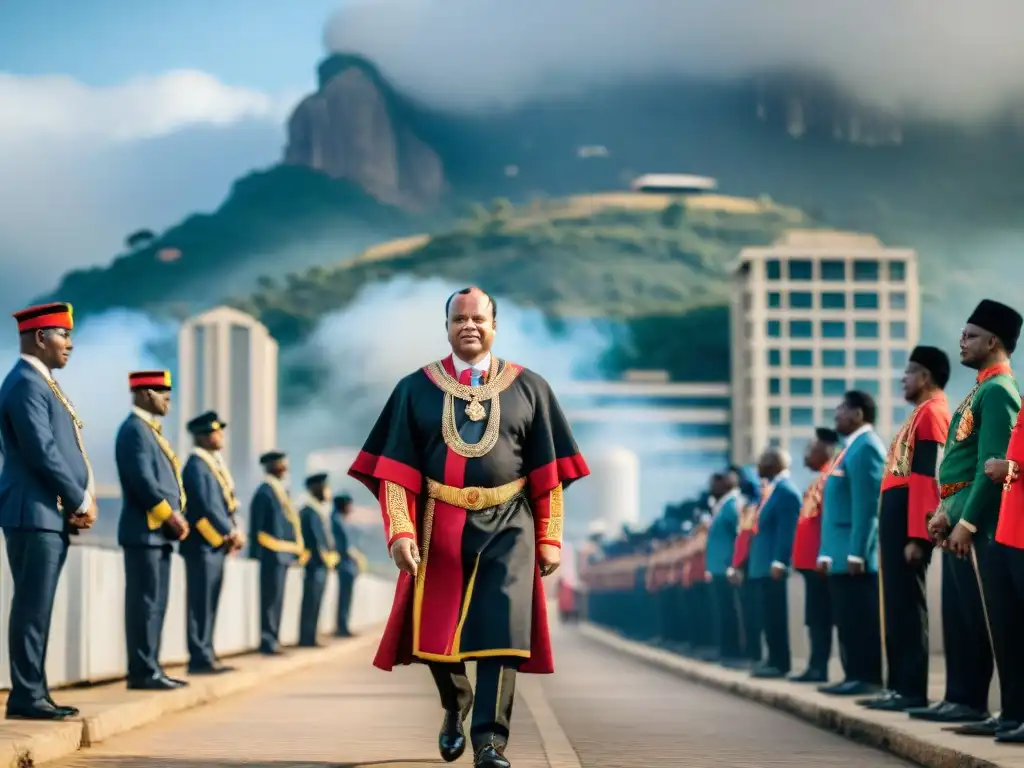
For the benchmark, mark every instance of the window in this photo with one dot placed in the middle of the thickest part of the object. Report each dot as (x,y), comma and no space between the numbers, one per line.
(898,300)
(865,329)
(800,269)
(800,300)
(899,414)
(866,358)
(801,417)
(833,358)
(774,329)
(801,387)
(774,386)
(897,388)
(828,416)
(867,385)
(897,271)
(897,330)
(800,329)
(833,329)
(801,358)
(865,301)
(773,269)
(865,271)
(774,416)
(775,442)
(832,300)
(774,357)
(833,270)
(833,387)
(774,300)
(898,359)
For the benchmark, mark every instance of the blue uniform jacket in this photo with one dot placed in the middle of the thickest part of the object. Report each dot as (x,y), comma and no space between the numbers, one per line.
(209,509)
(776,526)
(150,494)
(41,457)
(274,528)
(849,518)
(722,532)
(341,543)
(318,538)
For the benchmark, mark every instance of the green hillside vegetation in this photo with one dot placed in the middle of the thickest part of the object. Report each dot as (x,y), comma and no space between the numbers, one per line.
(659,267)
(208,256)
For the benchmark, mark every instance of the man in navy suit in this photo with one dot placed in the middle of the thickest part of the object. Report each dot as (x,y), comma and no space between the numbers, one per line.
(152,519)
(348,565)
(211,514)
(770,553)
(320,557)
(46,494)
(722,530)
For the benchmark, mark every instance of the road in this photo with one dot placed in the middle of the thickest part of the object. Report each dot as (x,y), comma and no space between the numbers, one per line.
(614,711)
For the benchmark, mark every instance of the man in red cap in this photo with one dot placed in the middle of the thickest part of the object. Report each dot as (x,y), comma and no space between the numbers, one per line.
(46,493)
(152,518)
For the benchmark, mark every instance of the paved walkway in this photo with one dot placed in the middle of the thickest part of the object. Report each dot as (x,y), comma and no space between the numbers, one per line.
(602,710)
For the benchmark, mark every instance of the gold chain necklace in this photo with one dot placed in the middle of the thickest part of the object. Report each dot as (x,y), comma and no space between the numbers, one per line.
(168,452)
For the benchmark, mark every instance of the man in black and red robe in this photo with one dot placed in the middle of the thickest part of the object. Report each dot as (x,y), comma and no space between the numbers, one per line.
(469,460)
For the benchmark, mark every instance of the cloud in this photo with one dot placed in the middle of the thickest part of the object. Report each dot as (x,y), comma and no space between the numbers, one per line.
(941,58)
(83,166)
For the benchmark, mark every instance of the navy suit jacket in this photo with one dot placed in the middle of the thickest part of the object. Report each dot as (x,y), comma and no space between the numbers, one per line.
(208,512)
(776,526)
(42,460)
(319,543)
(272,535)
(149,485)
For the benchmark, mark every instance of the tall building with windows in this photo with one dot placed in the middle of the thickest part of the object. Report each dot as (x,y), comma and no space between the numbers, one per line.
(227,362)
(813,315)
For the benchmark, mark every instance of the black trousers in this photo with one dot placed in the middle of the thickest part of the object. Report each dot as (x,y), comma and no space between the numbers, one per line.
(492,701)
(1002,580)
(204,577)
(855,606)
(905,604)
(750,612)
(37,559)
(774,605)
(273,574)
(968,652)
(725,603)
(313,582)
(346,585)
(147,588)
(818,619)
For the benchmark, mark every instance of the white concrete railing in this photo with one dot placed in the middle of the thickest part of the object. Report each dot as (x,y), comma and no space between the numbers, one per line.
(87,634)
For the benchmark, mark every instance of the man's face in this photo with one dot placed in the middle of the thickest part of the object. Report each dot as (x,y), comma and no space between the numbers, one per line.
(976,344)
(471,325)
(53,347)
(848,419)
(320,491)
(159,401)
(279,468)
(767,465)
(915,379)
(343,509)
(212,441)
(717,486)
(816,455)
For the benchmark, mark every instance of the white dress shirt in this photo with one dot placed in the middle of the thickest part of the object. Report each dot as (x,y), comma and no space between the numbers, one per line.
(460,365)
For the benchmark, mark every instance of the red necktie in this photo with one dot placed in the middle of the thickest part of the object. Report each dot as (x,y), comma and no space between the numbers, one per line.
(464,377)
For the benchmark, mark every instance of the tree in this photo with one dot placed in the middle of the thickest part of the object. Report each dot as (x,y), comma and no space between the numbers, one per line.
(140,238)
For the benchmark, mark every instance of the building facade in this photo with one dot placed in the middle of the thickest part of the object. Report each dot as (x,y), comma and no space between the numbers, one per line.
(814,315)
(227,362)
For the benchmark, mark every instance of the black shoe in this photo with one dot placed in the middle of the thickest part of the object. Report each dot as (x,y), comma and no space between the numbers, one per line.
(707,654)
(948,712)
(735,663)
(768,672)
(451,741)
(311,644)
(490,756)
(72,711)
(849,688)
(209,669)
(38,710)
(162,683)
(271,651)
(1016,736)
(991,726)
(810,675)
(893,702)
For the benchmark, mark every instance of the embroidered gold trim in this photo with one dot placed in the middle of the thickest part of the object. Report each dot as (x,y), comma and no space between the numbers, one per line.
(289,512)
(553,529)
(168,452)
(78,432)
(225,487)
(901,449)
(399,520)
(965,426)
(474,499)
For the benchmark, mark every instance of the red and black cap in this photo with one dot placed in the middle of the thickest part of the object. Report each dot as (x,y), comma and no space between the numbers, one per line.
(149,380)
(56,315)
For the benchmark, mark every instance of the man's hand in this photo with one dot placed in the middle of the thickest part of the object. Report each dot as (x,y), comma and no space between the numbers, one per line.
(708,578)
(961,541)
(997,470)
(735,577)
(550,557)
(778,572)
(913,552)
(938,526)
(855,567)
(822,567)
(406,555)
(87,519)
(176,528)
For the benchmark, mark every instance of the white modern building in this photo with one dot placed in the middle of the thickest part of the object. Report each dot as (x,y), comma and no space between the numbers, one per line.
(813,315)
(227,362)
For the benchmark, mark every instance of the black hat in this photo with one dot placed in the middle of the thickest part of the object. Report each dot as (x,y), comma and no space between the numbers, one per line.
(826,435)
(316,477)
(205,423)
(935,361)
(271,456)
(342,499)
(999,320)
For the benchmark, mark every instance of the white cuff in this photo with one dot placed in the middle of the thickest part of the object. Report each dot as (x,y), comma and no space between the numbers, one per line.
(730,571)
(780,564)
(825,559)
(857,560)
(86,503)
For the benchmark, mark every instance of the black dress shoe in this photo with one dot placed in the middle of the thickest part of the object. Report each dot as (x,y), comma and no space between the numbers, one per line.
(210,669)
(1016,736)
(72,711)
(991,726)
(490,756)
(451,741)
(809,675)
(161,683)
(38,710)
(735,663)
(894,702)
(948,712)
(767,673)
(849,688)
